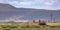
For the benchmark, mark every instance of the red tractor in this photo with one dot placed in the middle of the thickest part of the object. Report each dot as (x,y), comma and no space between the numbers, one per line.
(41,23)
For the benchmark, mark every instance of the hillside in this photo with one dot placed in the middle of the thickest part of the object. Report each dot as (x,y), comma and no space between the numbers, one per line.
(8,12)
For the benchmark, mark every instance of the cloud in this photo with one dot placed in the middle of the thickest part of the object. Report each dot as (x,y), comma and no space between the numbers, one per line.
(26,3)
(4,1)
(21,4)
(50,2)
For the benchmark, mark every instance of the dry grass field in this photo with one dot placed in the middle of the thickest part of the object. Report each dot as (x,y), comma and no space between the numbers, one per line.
(29,28)
(32,26)
(53,24)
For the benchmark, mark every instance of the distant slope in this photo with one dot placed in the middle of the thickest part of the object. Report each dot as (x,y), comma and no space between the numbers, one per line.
(6,7)
(11,13)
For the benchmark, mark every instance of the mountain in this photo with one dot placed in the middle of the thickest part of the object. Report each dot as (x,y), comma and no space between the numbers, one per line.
(6,7)
(8,12)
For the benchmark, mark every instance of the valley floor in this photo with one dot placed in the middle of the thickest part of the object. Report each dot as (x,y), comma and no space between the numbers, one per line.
(31,29)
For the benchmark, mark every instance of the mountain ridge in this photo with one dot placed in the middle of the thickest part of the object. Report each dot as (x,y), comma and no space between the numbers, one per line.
(8,12)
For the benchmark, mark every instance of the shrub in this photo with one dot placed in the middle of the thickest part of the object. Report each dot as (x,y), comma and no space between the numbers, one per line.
(4,26)
(36,26)
(13,27)
(6,29)
(27,26)
(55,26)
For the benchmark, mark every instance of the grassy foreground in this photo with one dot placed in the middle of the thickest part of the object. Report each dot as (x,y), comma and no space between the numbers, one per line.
(32,29)
(27,27)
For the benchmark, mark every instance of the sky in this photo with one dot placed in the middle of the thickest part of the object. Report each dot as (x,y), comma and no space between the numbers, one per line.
(38,4)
